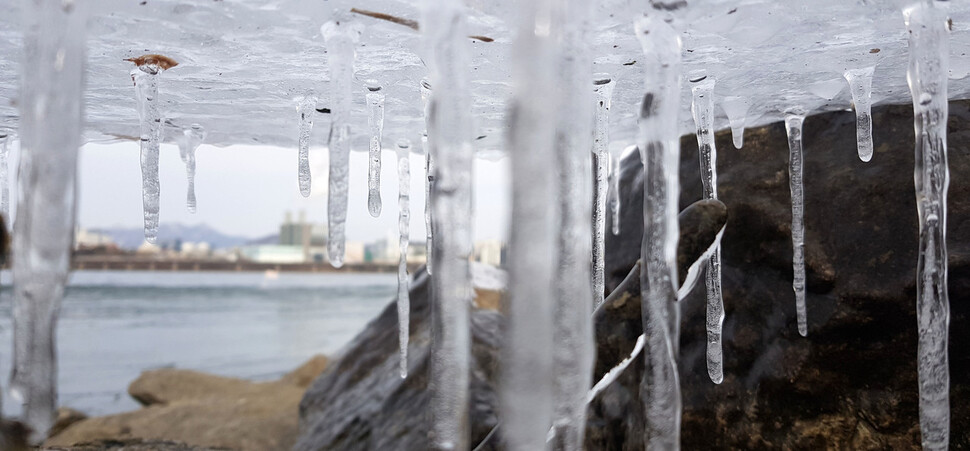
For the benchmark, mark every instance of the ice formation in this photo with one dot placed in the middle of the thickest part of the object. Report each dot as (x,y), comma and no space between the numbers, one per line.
(306,108)
(375,119)
(860,84)
(428,174)
(603,88)
(146,86)
(927,75)
(736,109)
(341,38)
(702,108)
(450,133)
(659,144)
(793,125)
(5,177)
(614,194)
(50,134)
(403,229)
(192,137)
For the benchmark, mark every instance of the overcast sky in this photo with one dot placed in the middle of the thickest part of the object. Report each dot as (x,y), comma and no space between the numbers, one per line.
(246,190)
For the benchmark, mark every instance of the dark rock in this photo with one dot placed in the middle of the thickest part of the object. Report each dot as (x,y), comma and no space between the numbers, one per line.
(852,383)
(133,445)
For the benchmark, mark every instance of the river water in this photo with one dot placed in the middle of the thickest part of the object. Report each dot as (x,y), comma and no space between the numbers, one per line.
(257,326)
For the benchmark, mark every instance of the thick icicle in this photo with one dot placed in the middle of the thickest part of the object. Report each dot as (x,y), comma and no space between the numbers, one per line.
(927,76)
(306,108)
(403,229)
(793,124)
(341,38)
(574,347)
(525,393)
(603,88)
(428,175)
(860,84)
(375,119)
(450,133)
(736,108)
(702,108)
(5,178)
(659,144)
(192,137)
(51,108)
(146,86)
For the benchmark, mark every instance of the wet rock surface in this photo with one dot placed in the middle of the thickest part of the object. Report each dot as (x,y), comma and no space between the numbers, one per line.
(852,383)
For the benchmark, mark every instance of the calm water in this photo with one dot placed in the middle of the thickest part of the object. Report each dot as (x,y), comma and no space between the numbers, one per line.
(113,325)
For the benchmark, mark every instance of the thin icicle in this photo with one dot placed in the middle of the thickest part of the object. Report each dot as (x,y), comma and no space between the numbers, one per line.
(375,119)
(860,84)
(146,85)
(603,88)
(525,393)
(192,137)
(5,178)
(659,145)
(51,109)
(306,108)
(573,326)
(927,76)
(736,108)
(428,175)
(793,124)
(615,193)
(341,38)
(450,133)
(702,109)
(403,229)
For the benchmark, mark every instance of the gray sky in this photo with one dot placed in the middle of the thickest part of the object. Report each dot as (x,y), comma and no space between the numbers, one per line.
(245,190)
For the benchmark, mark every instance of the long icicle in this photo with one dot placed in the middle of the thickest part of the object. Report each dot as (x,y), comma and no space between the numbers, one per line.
(927,76)
(603,88)
(404,239)
(525,393)
(375,120)
(5,177)
(52,87)
(146,84)
(659,145)
(793,125)
(306,108)
(574,348)
(702,109)
(428,177)
(341,38)
(450,133)
(860,84)
(192,137)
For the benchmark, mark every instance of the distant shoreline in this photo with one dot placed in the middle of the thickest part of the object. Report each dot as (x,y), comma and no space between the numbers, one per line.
(127,263)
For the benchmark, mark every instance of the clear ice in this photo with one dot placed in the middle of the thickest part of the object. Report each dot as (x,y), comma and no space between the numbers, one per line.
(306,108)
(450,134)
(51,105)
(403,229)
(603,88)
(341,38)
(793,125)
(192,137)
(375,119)
(428,173)
(5,178)
(860,84)
(927,77)
(659,144)
(736,109)
(702,108)
(146,87)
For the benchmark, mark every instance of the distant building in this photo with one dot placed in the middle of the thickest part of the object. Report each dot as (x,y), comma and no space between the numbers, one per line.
(84,238)
(310,238)
(197,250)
(490,252)
(272,253)
(148,248)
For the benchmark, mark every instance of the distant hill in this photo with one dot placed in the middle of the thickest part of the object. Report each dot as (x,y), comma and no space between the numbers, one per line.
(131,238)
(268,239)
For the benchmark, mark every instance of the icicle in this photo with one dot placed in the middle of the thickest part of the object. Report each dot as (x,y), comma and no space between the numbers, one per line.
(146,85)
(306,108)
(616,371)
(50,131)
(603,88)
(525,392)
(192,137)
(659,144)
(4,178)
(574,346)
(375,102)
(793,124)
(736,108)
(927,76)
(702,108)
(450,133)
(403,227)
(615,192)
(429,175)
(860,84)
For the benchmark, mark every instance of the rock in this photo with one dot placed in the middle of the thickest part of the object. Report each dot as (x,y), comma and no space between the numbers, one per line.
(132,445)
(13,436)
(852,383)
(306,373)
(66,416)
